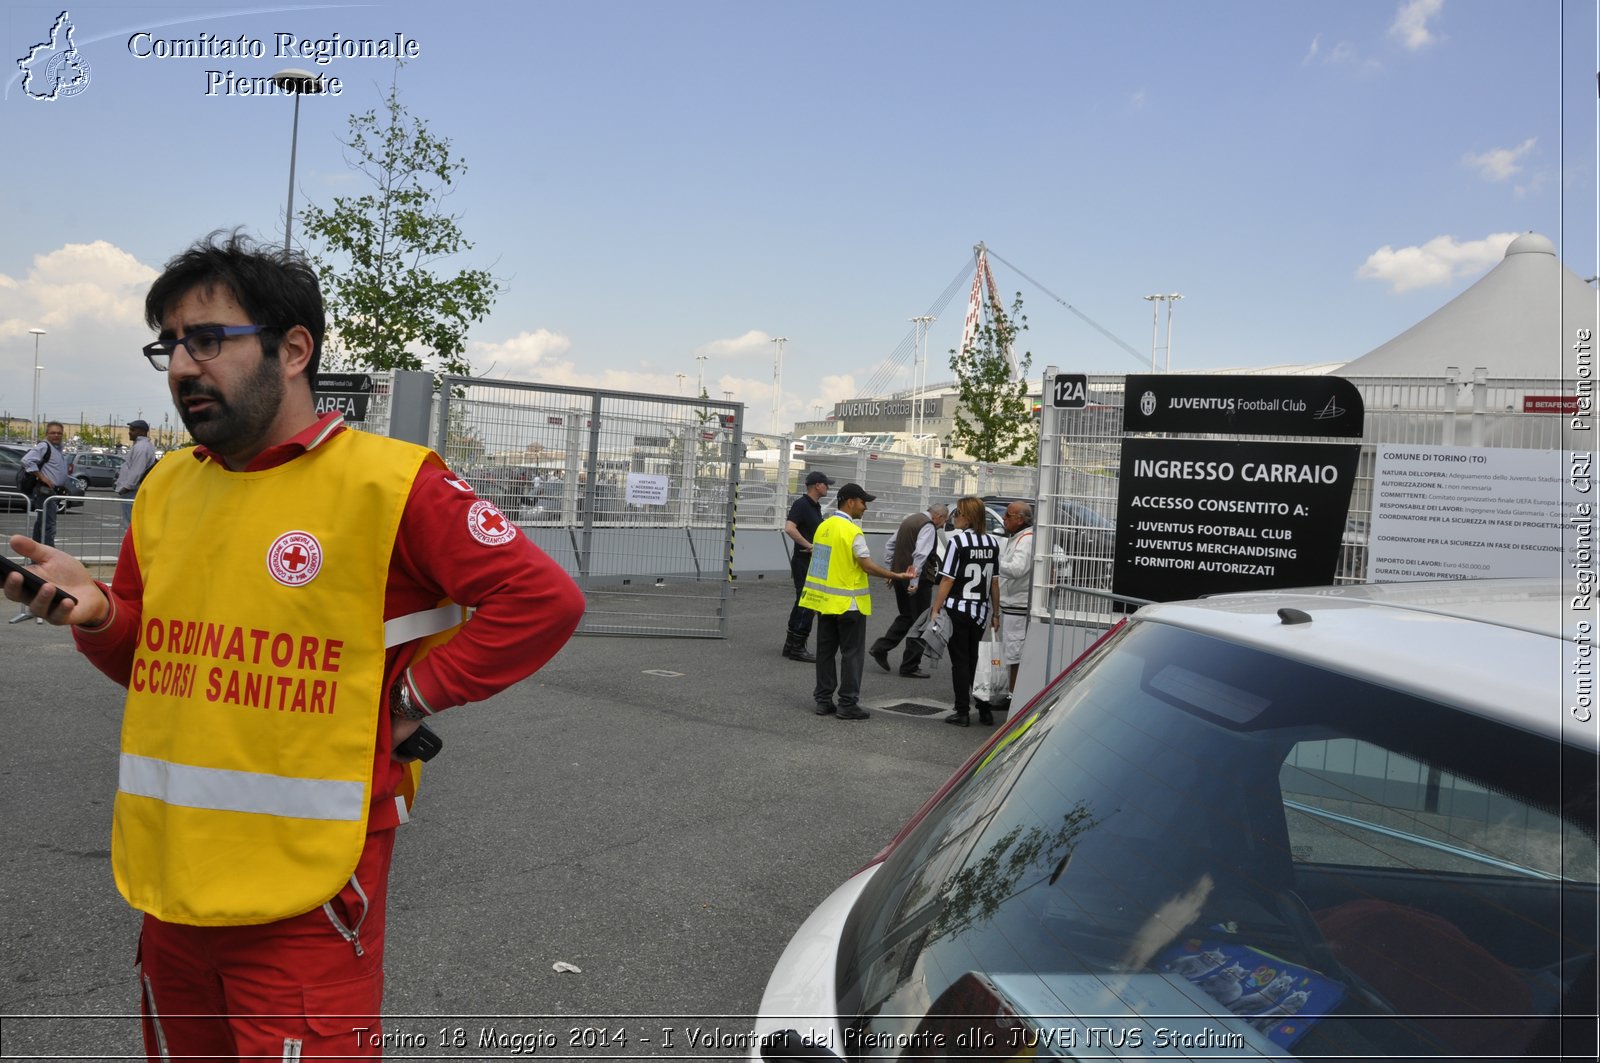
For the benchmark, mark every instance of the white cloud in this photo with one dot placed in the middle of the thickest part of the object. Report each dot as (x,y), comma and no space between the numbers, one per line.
(1500,164)
(1311,53)
(753,342)
(1410,25)
(837,388)
(521,357)
(1137,100)
(1439,261)
(1533,186)
(89,299)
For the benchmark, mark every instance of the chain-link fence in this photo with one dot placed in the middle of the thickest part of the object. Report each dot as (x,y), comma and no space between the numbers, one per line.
(632,494)
(902,483)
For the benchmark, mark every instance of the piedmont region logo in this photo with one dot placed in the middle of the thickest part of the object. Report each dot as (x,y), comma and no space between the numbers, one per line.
(294,558)
(488,525)
(54,69)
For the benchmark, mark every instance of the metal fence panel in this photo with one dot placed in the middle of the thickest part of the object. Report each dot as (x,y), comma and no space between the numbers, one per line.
(633,494)
(903,483)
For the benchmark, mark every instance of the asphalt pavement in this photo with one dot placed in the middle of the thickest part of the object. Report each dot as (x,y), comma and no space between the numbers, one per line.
(660,814)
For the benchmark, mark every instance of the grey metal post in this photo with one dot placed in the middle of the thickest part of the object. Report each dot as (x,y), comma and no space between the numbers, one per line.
(411,408)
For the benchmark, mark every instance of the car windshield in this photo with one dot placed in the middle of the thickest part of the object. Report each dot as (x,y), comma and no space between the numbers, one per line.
(1192,845)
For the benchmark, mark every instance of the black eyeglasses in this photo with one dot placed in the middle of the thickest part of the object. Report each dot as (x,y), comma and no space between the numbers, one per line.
(203,344)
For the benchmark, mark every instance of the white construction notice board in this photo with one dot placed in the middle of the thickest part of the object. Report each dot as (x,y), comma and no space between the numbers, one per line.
(1460,512)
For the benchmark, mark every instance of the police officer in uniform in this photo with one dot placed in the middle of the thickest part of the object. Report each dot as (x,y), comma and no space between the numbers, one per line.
(805,514)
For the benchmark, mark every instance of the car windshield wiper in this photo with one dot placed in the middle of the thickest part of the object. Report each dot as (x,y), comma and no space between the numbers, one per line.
(1443,847)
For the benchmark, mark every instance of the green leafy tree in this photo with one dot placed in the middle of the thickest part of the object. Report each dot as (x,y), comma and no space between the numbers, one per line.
(379,251)
(92,435)
(995,420)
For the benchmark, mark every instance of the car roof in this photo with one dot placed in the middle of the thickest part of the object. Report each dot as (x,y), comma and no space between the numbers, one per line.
(1495,648)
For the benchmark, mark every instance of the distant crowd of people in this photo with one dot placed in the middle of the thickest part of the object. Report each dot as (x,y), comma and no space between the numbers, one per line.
(947,598)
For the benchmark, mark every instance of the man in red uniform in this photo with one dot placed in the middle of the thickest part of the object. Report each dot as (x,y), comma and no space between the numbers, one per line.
(337,549)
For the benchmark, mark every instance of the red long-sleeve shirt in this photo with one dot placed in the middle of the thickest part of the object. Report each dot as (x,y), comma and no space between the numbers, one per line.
(526,605)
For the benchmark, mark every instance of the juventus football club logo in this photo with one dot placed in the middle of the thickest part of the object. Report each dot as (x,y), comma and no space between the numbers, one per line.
(1147,403)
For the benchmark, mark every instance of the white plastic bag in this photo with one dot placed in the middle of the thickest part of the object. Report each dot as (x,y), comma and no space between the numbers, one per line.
(991,679)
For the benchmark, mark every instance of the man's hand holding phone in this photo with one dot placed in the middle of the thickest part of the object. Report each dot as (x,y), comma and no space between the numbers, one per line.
(56,586)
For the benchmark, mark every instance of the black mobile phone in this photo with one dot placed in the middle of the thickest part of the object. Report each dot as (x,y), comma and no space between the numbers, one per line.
(423,744)
(32,584)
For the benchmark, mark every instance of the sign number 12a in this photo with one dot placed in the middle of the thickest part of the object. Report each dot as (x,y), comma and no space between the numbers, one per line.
(1071,391)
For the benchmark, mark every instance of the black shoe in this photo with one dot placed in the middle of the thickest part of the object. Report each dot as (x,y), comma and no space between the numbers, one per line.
(959,719)
(882,659)
(800,655)
(853,714)
(918,674)
(826,708)
(985,717)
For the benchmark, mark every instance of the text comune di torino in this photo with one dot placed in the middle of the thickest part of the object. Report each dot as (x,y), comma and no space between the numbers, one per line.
(251,649)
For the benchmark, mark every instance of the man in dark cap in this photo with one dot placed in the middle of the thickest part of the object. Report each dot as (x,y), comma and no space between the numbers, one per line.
(801,526)
(837,588)
(141,456)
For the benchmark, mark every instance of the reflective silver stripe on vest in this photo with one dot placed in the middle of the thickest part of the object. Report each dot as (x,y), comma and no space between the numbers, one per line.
(818,585)
(414,626)
(240,791)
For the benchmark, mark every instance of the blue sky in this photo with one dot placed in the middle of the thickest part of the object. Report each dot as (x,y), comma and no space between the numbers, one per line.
(656,182)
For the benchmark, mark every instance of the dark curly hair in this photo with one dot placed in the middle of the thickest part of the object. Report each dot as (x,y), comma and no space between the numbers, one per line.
(277,288)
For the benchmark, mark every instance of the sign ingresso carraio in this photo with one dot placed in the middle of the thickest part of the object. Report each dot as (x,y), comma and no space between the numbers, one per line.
(1202,516)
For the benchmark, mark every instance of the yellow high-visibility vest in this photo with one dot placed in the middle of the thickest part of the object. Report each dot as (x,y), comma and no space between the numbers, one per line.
(252,713)
(835,577)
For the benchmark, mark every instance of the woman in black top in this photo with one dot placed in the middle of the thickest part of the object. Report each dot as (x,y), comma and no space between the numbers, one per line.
(969,587)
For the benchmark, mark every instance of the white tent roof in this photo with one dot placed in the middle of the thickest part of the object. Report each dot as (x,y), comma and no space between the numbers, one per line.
(1520,320)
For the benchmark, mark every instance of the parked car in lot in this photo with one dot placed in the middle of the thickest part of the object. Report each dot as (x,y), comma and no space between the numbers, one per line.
(95,470)
(11,455)
(1085,547)
(1347,823)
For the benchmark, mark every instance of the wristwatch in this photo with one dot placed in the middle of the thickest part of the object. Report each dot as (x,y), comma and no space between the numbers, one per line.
(400,703)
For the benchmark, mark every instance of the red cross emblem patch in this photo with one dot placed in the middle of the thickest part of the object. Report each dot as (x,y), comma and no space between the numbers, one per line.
(294,558)
(488,525)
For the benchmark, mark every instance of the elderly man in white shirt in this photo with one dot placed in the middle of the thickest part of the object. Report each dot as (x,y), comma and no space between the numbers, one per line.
(1016,583)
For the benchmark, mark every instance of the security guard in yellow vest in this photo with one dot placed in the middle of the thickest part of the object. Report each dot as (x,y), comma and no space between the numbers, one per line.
(837,589)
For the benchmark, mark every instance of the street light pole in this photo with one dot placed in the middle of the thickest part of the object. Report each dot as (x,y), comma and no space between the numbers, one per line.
(1155,301)
(921,354)
(35,333)
(1154,310)
(777,379)
(1174,297)
(297,83)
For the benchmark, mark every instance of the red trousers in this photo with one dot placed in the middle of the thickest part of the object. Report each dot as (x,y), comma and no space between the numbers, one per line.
(306,987)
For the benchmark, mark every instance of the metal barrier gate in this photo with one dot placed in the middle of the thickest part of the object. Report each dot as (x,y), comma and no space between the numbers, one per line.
(633,494)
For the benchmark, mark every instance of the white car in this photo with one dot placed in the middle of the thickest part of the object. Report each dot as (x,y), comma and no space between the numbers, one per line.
(1356,822)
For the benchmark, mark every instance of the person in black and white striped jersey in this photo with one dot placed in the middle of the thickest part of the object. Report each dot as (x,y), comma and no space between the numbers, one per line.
(969,587)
